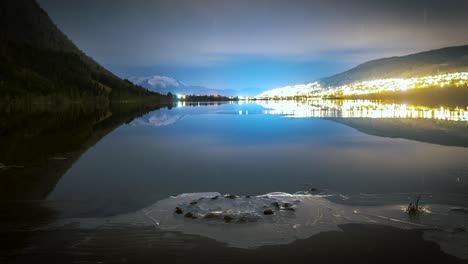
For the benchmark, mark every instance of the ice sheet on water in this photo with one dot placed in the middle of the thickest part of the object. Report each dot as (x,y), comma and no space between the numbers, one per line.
(243,221)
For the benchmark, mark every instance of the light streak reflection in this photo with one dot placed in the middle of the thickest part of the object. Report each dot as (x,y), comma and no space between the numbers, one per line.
(359,109)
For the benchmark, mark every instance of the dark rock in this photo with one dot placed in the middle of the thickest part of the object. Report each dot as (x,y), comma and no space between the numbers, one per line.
(268,212)
(212,216)
(242,219)
(214,198)
(313,189)
(178,210)
(189,215)
(288,207)
(193,202)
(230,196)
(276,205)
(228,218)
(247,196)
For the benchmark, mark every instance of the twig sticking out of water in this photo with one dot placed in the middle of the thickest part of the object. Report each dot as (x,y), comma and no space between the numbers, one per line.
(414,208)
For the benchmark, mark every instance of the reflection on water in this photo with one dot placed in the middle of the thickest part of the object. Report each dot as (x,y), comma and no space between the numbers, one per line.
(360,109)
(72,166)
(237,148)
(445,126)
(38,147)
(156,119)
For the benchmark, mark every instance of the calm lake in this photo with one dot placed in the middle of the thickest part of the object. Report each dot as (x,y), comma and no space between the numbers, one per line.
(353,153)
(249,148)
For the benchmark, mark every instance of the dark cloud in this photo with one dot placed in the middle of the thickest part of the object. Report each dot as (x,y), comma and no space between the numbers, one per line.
(191,32)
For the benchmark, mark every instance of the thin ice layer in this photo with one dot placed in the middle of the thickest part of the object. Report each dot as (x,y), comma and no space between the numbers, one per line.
(280,218)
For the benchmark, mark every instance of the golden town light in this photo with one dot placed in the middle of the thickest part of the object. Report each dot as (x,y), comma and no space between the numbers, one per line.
(314,89)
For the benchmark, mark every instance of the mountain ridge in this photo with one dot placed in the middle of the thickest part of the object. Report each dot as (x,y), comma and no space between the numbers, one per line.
(164,84)
(431,62)
(38,59)
(427,63)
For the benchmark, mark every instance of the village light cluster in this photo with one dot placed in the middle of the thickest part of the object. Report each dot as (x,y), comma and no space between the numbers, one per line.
(399,84)
(292,90)
(367,87)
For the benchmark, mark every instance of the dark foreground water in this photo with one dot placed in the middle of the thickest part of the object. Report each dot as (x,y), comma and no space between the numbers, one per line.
(340,163)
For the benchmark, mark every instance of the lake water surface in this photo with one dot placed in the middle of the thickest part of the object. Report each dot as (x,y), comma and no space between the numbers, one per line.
(346,153)
(246,148)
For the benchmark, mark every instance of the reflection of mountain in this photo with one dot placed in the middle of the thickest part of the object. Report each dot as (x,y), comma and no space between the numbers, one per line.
(157,119)
(442,126)
(38,148)
(443,132)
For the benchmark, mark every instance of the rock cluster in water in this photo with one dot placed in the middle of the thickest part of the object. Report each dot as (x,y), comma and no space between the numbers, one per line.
(231,208)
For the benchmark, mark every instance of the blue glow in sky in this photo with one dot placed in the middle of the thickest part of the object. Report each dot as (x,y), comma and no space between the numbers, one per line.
(243,73)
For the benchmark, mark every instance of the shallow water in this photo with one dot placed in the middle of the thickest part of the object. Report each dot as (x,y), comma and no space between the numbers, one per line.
(358,163)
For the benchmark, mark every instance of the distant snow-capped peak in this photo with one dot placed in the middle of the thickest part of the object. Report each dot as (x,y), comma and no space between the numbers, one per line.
(165,84)
(157,81)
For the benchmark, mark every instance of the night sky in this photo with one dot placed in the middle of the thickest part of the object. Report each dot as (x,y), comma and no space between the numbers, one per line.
(254,44)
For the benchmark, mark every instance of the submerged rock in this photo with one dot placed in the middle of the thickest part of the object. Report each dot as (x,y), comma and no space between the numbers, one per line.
(230,196)
(189,215)
(213,216)
(459,210)
(228,218)
(178,210)
(268,212)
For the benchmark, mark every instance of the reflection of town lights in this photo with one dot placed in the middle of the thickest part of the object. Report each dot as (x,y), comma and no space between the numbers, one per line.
(360,109)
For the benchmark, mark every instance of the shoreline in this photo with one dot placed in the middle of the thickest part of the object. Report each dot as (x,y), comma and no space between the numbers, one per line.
(363,243)
(249,228)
